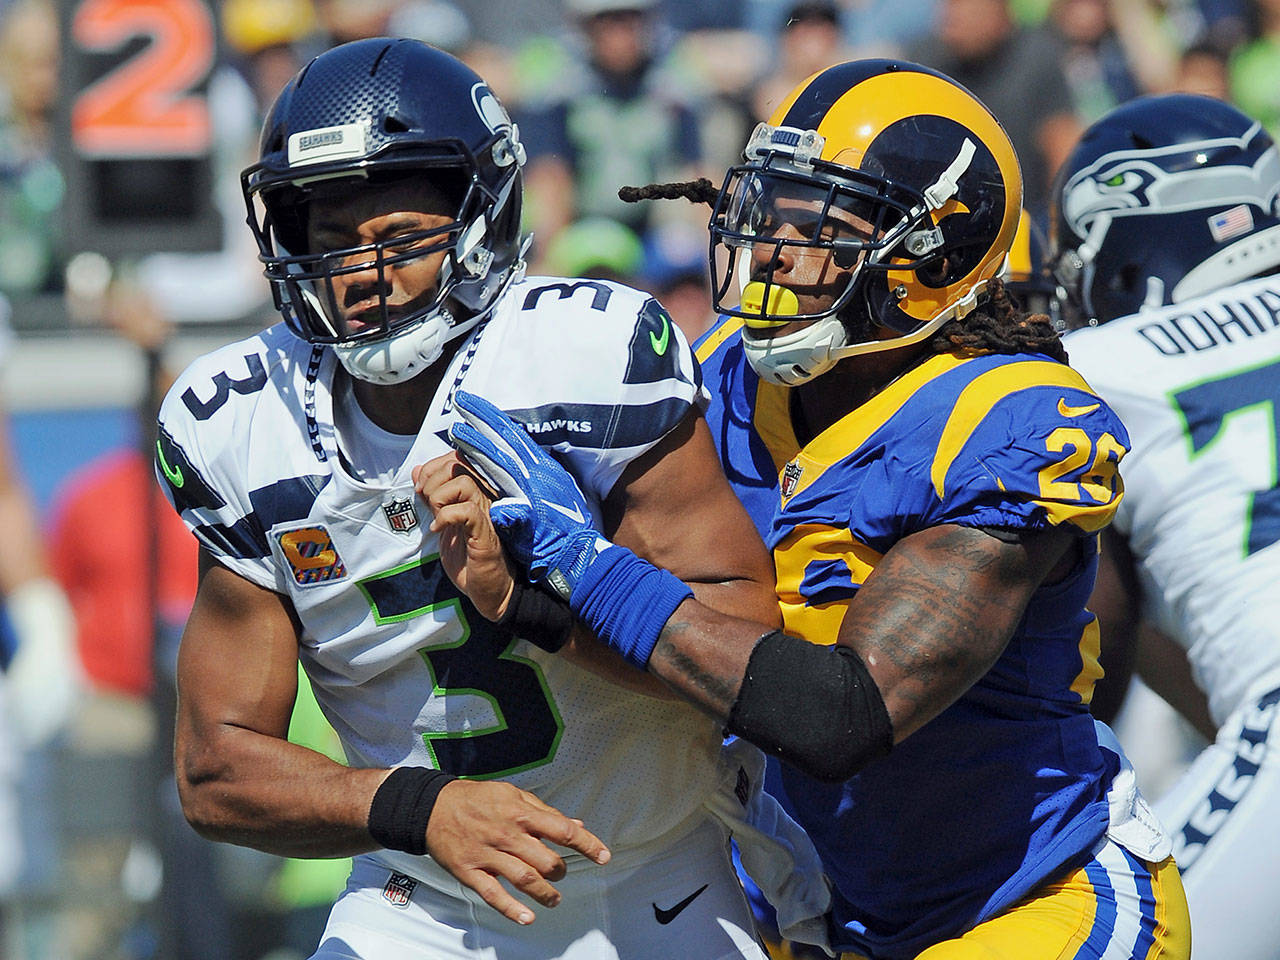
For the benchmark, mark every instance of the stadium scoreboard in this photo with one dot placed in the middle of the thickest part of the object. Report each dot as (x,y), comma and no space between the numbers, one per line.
(135,131)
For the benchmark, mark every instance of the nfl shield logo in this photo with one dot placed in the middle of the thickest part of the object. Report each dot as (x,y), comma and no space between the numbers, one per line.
(399,889)
(401,515)
(790,478)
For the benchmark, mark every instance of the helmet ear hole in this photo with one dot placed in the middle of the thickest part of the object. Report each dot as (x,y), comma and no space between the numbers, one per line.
(934,273)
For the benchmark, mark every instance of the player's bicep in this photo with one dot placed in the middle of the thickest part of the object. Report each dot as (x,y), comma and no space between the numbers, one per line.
(237,664)
(939,609)
(674,507)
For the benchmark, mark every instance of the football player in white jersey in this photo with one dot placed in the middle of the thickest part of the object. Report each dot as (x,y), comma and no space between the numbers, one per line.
(1167,241)
(386,204)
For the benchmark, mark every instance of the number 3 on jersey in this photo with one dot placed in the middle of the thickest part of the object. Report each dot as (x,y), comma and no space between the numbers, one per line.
(473,659)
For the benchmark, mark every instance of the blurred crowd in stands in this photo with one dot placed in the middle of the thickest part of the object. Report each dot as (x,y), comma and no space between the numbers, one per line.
(606,93)
(614,92)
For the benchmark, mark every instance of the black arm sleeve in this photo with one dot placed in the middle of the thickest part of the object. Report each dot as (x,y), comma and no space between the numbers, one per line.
(815,707)
(539,616)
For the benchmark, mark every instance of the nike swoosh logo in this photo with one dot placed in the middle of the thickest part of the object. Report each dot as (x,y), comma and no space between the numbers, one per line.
(173,473)
(666,916)
(1069,411)
(574,514)
(659,344)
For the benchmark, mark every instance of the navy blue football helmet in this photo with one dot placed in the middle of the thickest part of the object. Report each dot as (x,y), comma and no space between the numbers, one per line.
(1165,198)
(372,112)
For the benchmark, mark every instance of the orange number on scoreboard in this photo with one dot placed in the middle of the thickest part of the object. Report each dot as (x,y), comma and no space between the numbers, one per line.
(142,108)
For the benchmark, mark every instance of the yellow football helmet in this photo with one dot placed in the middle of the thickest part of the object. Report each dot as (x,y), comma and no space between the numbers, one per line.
(1026,276)
(904,151)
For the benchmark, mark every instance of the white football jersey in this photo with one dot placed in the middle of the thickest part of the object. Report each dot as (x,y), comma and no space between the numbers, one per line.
(404,668)
(1198,386)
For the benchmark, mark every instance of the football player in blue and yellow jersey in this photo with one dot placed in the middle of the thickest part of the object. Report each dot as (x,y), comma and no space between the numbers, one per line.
(931,477)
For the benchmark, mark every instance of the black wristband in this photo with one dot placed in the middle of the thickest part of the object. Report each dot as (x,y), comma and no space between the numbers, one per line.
(538,616)
(814,706)
(402,806)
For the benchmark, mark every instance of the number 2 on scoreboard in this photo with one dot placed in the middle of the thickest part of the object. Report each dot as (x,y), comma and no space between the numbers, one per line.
(143,107)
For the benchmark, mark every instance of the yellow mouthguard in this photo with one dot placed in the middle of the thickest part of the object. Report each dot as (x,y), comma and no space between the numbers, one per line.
(782,303)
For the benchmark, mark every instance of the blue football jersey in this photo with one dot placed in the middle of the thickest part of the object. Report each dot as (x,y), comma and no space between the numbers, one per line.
(1006,788)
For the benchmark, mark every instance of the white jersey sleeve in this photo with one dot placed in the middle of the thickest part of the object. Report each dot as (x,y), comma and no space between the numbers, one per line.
(1198,386)
(205,465)
(596,371)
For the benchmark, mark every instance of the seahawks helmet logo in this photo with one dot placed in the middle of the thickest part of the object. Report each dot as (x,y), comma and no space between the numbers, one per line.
(1127,182)
(1117,188)
(494,115)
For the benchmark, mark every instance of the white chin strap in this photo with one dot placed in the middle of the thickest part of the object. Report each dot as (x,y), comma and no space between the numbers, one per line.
(816,347)
(793,358)
(402,356)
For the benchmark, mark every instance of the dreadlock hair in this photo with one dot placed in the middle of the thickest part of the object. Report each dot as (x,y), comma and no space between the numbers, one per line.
(998,326)
(701,190)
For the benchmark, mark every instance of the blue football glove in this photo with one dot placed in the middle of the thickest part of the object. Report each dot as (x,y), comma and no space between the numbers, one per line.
(545,524)
(542,516)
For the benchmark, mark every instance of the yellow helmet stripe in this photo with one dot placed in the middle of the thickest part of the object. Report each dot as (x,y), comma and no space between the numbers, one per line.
(853,104)
(1020,263)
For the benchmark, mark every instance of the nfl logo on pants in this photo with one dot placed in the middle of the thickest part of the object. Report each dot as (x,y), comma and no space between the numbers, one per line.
(399,889)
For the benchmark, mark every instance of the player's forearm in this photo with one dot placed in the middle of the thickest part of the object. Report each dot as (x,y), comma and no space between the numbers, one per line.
(242,787)
(1166,670)
(814,706)
(740,597)
(702,655)
(925,626)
